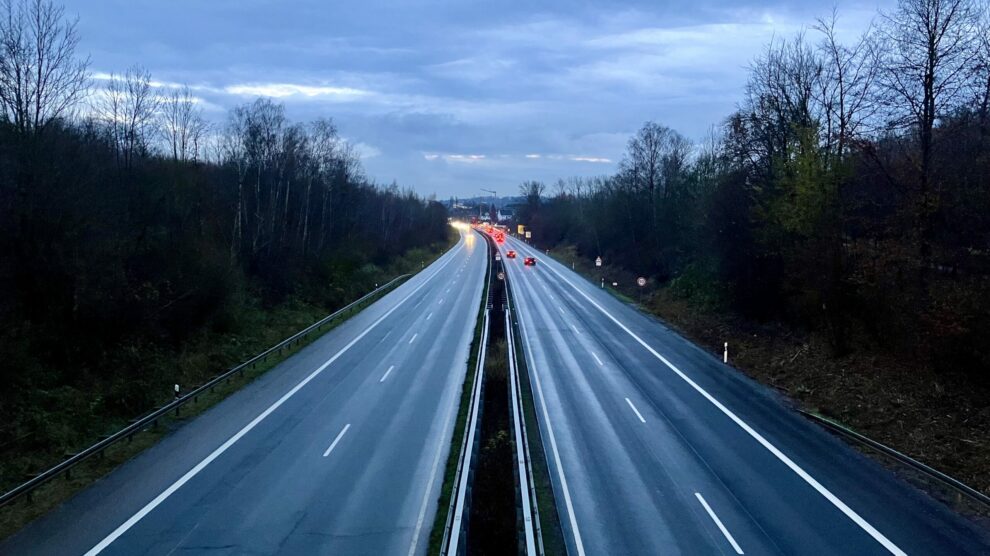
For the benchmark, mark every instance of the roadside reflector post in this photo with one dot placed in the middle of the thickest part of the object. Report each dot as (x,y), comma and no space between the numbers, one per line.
(176,391)
(725,354)
(603,283)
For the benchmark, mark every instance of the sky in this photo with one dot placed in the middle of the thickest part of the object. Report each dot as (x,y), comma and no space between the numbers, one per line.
(450,97)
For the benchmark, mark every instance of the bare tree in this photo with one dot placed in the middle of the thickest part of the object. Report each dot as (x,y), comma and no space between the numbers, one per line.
(848,75)
(981,82)
(325,144)
(182,124)
(40,77)
(128,108)
(930,49)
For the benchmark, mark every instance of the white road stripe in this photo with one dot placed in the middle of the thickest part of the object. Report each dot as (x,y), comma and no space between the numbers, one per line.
(728,536)
(384,376)
(430,315)
(827,494)
(124,527)
(636,411)
(387,334)
(553,445)
(597,359)
(441,301)
(336,440)
(576,331)
(561,309)
(413,337)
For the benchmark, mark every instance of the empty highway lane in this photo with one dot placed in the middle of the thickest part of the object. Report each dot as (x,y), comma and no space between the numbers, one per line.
(656,447)
(338,450)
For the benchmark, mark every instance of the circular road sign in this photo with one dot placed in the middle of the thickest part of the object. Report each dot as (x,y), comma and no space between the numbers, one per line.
(501,276)
(641,281)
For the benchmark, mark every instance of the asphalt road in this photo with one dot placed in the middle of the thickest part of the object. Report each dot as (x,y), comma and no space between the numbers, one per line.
(656,447)
(338,450)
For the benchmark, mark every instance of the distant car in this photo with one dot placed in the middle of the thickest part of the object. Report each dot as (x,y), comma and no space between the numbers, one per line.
(529,261)
(510,253)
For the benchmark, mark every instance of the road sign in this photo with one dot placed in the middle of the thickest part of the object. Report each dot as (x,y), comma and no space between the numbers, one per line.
(641,281)
(520,229)
(598,261)
(529,234)
(498,257)
(501,276)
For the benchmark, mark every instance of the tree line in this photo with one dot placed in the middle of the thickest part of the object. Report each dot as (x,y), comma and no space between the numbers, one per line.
(130,225)
(848,193)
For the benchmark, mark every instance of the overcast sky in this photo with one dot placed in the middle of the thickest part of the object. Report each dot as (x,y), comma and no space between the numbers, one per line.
(451,96)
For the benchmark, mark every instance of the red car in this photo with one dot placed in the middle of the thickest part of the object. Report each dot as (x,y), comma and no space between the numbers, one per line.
(510,254)
(529,261)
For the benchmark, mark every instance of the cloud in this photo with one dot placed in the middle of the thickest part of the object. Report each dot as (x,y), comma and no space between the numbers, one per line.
(461,96)
(595,159)
(283,90)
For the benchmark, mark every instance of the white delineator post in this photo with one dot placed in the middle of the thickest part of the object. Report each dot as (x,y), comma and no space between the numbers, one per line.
(725,354)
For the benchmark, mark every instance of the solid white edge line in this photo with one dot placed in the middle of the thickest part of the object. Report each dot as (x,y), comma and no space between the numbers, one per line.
(636,411)
(384,376)
(413,337)
(436,464)
(139,515)
(336,440)
(597,359)
(578,543)
(725,532)
(849,512)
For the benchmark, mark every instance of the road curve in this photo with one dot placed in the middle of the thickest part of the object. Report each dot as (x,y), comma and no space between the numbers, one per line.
(656,447)
(337,450)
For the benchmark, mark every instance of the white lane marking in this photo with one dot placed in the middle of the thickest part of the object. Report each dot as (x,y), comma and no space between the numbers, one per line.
(636,411)
(448,290)
(124,527)
(441,446)
(556,453)
(336,440)
(728,536)
(413,337)
(597,359)
(561,309)
(849,512)
(384,376)
(387,334)
(430,315)
(441,301)
(576,331)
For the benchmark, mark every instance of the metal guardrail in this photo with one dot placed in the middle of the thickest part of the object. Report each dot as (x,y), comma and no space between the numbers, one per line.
(527,491)
(955,484)
(152,418)
(459,502)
